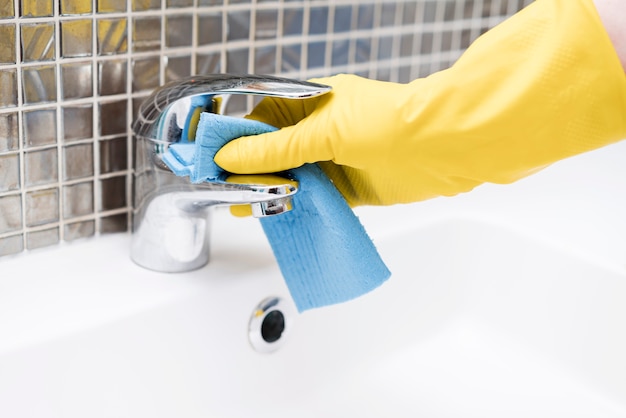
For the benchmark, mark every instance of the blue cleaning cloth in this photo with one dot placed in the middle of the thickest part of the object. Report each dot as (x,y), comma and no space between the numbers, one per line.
(322,249)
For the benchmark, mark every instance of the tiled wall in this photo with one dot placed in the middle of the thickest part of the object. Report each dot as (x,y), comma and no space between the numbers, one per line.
(73,72)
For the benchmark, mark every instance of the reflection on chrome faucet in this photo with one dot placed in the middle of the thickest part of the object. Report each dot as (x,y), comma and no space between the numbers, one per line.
(171,216)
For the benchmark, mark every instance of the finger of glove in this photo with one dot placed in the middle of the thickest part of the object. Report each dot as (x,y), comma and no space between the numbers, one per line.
(272,152)
(241,211)
(282,112)
(278,112)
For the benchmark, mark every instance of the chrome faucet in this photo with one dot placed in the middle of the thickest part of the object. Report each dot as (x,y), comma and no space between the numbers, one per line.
(171,216)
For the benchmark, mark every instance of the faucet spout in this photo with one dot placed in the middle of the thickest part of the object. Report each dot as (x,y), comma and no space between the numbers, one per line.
(171,231)
(171,216)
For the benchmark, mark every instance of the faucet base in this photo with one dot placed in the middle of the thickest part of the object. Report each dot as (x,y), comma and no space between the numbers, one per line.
(173,240)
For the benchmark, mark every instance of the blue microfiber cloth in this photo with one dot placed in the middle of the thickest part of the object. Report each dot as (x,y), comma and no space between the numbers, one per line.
(322,249)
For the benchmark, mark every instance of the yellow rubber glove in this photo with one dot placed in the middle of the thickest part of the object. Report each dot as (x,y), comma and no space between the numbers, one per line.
(544,85)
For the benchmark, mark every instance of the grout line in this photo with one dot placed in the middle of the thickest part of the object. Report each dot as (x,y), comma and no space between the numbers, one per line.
(418,43)
(304,44)
(95,118)
(374,43)
(20,113)
(352,35)
(395,44)
(130,31)
(59,117)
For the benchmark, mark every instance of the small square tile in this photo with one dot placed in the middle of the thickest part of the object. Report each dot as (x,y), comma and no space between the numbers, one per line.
(424,70)
(238,26)
(340,52)
(7,44)
(9,134)
(146,73)
(40,239)
(450,10)
(141,5)
(365,17)
(179,3)
(76,80)
(293,21)
(316,54)
(136,103)
(110,6)
(146,33)
(426,46)
(446,41)
(466,38)
(8,88)
(383,74)
(210,63)
(78,230)
(363,50)
(362,73)
(237,61)
(291,57)
(388,14)
(78,161)
(210,2)
(318,20)
(10,213)
(113,155)
(114,224)
(76,7)
(41,167)
(36,8)
(265,60)
(178,30)
(78,200)
(40,127)
(37,41)
(113,118)
(237,104)
(429,12)
(406,45)
(404,74)
(177,68)
(385,48)
(266,24)
(409,12)
(77,122)
(343,19)
(76,38)
(210,28)
(6,9)
(112,38)
(11,245)
(113,193)
(9,172)
(112,76)
(42,207)
(39,84)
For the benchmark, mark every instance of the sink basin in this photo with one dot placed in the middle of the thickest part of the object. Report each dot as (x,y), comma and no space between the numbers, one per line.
(506,301)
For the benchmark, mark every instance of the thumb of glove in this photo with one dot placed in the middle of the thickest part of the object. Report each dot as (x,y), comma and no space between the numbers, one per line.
(272,152)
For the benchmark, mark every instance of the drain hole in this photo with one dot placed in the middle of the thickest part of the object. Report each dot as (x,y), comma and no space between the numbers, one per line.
(270,323)
(273,326)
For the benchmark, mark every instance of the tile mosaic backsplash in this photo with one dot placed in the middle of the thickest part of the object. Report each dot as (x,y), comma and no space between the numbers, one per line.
(73,73)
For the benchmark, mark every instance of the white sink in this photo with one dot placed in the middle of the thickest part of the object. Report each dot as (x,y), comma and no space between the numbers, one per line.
(509,301)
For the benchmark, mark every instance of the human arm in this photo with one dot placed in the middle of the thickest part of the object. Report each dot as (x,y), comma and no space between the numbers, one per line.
(542,86)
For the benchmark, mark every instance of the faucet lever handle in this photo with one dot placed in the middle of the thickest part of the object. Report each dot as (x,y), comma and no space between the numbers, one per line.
(268,185)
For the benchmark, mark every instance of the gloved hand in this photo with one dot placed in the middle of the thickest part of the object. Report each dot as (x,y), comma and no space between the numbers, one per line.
(544,85)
